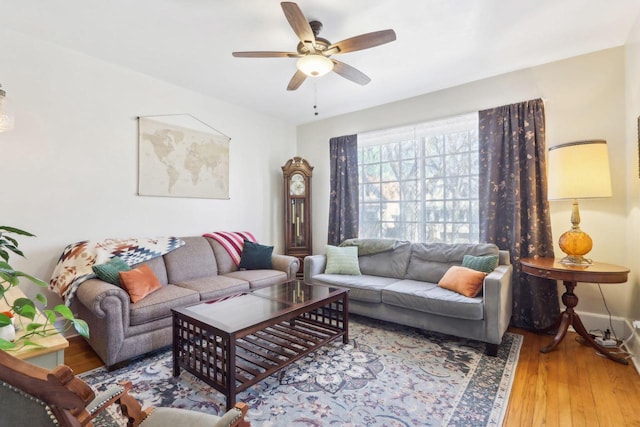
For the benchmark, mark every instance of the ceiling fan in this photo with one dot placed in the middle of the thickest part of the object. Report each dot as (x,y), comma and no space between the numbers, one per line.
(315,53)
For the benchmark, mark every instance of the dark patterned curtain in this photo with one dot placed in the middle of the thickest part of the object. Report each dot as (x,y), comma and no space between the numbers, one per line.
(343,198)
(514,211)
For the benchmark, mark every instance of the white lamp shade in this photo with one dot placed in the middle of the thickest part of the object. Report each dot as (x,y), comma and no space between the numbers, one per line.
(578,170)
(314,65)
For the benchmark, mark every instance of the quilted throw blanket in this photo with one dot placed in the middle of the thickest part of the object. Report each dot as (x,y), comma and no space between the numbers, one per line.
(74,265)
(232,241)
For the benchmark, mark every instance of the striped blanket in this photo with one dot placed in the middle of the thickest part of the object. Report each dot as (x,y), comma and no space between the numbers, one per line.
(74,265)
(232,241)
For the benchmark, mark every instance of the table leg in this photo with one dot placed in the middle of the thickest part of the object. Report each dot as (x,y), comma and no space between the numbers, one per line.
(570,318)
(345,318)
(570,300)
(565,320)
(587,340)
(176,346)
(231,372)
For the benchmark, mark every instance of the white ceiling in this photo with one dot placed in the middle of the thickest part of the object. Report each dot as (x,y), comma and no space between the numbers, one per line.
(440,43)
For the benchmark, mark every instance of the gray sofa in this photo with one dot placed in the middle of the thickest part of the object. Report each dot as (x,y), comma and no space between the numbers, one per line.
(200,270)
(400,285)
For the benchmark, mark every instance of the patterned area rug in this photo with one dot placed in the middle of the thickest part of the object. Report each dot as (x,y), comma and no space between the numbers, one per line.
(388,375)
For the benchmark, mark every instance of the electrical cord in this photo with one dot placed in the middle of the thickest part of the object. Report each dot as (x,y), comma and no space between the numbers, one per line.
(622,343)
(608,311)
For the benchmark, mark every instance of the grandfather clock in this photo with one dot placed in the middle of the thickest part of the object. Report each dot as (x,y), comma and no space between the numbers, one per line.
(297,209)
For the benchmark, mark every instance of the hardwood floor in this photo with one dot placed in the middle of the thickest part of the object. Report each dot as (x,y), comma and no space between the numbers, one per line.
(571,386)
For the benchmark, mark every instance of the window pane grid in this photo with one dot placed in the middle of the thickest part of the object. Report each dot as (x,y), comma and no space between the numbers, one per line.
(422,187)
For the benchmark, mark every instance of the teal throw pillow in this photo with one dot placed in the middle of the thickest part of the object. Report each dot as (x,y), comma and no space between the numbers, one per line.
(485,264)
(255,256)
(109,271)
(342,260)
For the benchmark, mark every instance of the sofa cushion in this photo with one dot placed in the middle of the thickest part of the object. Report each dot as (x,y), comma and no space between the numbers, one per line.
(215,286)
(158,305)
(342,260)
(486,263)
(463,280)
(139,282)
(109,271)
(255,256)
(361,288)
(192,261)
(259,278)
(159,269)
(223,259)
(429,261)
(387,264)
(429,298)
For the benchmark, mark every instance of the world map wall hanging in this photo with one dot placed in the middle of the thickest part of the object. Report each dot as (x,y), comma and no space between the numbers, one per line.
(181,156)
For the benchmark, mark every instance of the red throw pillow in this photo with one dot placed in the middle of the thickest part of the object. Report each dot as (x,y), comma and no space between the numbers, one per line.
(463,280)
(139,282)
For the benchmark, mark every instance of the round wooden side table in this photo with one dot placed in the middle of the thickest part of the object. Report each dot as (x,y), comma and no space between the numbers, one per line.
(570,275)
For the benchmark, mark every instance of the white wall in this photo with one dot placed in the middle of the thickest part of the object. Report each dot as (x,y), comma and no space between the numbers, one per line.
(632,50)
(68,171)
(584,99)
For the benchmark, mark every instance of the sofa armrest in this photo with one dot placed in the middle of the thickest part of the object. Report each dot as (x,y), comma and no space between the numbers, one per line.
(497,302)
(105,308)
(286,263)
(96,294)
(314,265)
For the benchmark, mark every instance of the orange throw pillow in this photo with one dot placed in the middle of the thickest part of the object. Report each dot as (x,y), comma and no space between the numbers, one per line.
(463,280)
(139,282)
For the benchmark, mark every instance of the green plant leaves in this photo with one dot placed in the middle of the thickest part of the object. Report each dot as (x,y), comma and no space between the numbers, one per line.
(64,311)
(34,326)
(41,299)
(8,243)
(25,308)
(6,345)
(81,327)
(4,320)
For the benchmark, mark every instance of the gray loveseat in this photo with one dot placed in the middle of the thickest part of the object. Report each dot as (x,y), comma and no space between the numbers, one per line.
(200,270)
(400,285)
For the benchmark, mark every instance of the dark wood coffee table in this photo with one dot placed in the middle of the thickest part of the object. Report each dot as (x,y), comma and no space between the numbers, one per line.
(234,342)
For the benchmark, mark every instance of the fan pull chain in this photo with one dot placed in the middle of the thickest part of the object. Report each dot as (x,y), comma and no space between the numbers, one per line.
(315,99)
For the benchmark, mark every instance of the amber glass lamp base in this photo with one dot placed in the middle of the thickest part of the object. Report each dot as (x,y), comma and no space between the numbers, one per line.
(576,244)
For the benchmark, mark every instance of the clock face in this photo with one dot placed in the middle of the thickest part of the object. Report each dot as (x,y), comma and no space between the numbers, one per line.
(297,186)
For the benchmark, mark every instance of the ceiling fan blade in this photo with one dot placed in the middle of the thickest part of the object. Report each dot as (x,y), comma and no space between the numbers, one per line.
(350,73)
(363,41)
(299,24)
(297,79)
(265,54)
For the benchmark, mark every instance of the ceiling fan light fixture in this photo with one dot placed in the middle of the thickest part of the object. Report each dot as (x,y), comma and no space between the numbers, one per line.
(314,65)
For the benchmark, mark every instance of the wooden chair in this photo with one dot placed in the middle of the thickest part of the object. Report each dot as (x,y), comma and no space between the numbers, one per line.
(34,396)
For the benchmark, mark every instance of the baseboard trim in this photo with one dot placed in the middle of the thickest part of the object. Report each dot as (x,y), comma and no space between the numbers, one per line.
(633,347)
(622,328)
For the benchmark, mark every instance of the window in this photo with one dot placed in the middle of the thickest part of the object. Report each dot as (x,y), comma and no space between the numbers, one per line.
(420,182)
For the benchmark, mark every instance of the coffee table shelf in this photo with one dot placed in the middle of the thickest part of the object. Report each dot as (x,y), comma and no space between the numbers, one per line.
(277,331)
(261,354)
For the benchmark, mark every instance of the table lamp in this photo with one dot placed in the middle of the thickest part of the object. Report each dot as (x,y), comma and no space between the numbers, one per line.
(578,170)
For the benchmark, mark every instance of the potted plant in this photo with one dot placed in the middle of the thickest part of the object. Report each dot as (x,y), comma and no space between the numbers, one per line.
(25,308)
